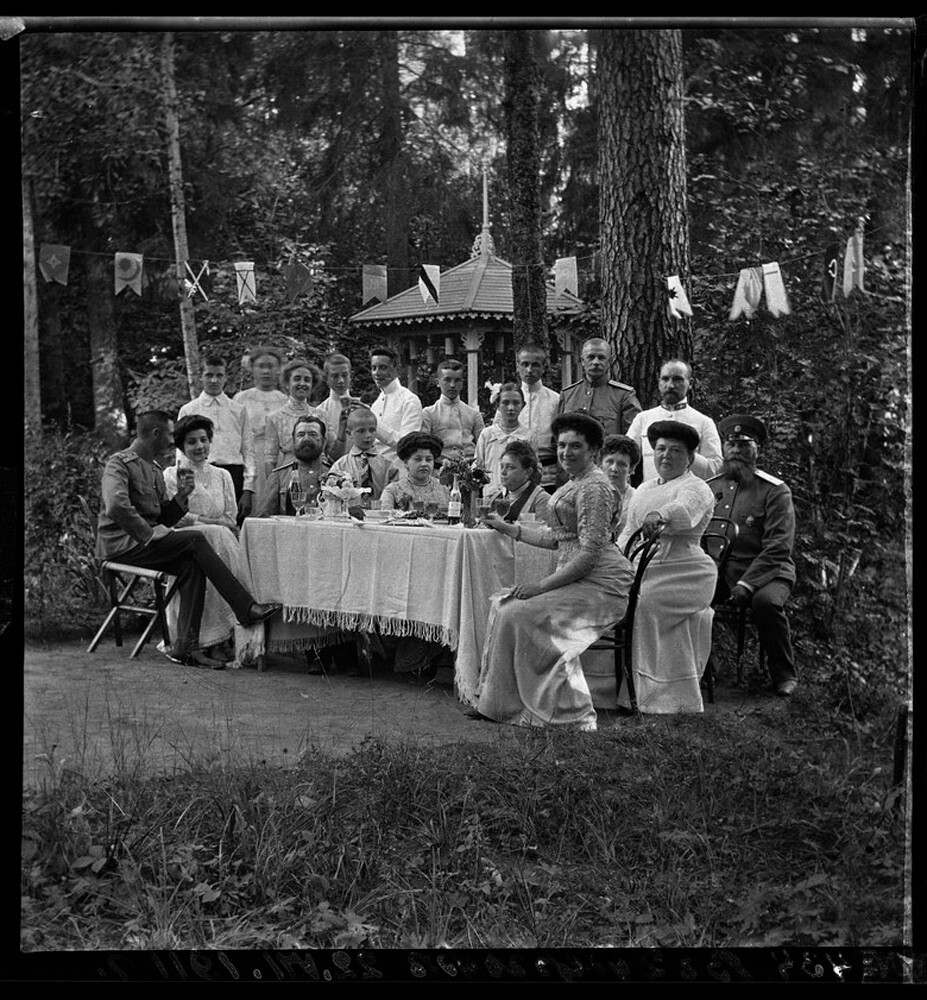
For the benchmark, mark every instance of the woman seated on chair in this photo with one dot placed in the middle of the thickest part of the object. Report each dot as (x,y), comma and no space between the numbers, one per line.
(211,509)
(520,475)
(531,674)
(672,625)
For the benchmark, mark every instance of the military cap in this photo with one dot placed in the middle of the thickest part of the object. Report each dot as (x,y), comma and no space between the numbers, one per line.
(740,427)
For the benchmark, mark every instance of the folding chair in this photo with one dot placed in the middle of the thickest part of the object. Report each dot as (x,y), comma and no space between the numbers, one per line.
(621,638)
(120,580)
(718,541)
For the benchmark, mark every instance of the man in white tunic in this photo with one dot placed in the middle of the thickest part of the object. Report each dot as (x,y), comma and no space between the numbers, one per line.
(455,423)
(675,379)
(540,409)
(397,409)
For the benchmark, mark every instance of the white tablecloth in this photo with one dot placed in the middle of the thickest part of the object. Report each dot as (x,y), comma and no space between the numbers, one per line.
(431,582)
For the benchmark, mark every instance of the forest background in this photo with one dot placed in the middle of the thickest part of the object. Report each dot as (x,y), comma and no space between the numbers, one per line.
(345,147)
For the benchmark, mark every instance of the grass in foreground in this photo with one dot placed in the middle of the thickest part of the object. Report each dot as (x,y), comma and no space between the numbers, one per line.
(714,831)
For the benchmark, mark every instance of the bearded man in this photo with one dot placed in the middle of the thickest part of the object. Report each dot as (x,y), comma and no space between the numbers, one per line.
(310,468)
(760,571)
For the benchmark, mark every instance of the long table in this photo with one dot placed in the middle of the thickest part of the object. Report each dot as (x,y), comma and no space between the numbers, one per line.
(434,582)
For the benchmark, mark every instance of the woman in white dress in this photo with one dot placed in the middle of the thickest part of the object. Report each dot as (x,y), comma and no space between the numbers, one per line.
(672,626)
(531,673)
(299,379)
(213,511)
(260,401)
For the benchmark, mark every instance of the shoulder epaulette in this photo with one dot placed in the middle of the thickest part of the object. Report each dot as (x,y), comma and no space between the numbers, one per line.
(286,465)
(713,478)
(768,478)
(572,385)
(126,456)
(621,385)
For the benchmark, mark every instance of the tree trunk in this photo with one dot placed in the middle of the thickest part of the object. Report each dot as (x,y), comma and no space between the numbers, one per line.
(32,373)
(396,197)
(54,399)
(109,416)
(178,212)
(642,199)
(523,174)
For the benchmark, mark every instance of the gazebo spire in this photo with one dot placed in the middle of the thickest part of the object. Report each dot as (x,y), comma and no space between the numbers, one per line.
(483,245)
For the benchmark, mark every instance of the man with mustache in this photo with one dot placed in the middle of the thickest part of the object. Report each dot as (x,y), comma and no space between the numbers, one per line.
(613,404)
(675,381)
(310,468)
(760,571)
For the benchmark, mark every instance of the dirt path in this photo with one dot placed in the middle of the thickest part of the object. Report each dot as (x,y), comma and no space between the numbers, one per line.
(98,711)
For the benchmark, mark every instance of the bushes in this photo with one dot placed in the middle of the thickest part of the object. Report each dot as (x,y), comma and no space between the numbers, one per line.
(63,593)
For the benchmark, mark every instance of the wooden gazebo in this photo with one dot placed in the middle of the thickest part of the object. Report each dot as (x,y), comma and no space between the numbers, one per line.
(474,315)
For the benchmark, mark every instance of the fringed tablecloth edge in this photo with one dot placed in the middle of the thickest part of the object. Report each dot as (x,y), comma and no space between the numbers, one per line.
(352,621)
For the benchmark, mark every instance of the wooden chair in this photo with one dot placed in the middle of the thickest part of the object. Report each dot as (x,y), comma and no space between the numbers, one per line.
(718,540)
(620,639)
(120,580)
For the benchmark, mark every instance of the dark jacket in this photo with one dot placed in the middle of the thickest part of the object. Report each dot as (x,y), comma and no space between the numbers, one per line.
(614,404)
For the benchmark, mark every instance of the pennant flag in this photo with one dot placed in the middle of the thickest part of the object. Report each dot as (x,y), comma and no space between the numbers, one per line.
(129,272)
(565,276)
(677,302)
(54,261)
(429,282)
(829,277)
(244,272)
(748,293)
(776,300)
(194,285)
(853,264)
(298,280)
(374,283)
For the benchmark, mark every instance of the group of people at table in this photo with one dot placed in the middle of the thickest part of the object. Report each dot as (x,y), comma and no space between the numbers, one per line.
(563,463)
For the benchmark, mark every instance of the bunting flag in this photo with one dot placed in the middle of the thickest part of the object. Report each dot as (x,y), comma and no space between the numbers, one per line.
(128,268)
(298,280)
(777,301)
(853,264)
(748,293)
(566,278)
(829,277)
(192,284)
(244,273)
(677,303)
(429,282)
(54,261)
(374,283)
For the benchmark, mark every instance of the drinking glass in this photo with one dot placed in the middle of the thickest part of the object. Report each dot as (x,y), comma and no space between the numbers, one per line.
(431,509)
(296,490)
(376,504)
(485,508)
(419,507)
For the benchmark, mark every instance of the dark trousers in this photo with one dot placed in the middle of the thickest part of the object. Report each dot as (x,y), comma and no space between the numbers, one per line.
(189,557)
(237,472)
(772,624)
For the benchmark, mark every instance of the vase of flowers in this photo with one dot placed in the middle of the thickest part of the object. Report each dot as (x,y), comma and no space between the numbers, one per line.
(339,496)
(471,478)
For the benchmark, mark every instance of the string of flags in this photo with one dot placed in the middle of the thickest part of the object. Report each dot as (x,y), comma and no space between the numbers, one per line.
(753,283)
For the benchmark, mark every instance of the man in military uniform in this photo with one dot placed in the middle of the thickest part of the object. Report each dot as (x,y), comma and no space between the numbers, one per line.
(310,468)
(760,571)
(134,527)
(675,380)
(613,404)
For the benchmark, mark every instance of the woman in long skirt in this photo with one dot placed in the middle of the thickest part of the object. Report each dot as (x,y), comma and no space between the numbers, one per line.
(531,673)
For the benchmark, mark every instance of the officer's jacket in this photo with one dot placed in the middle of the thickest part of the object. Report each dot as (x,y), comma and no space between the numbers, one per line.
(765,517)
(134,500)
(614,404)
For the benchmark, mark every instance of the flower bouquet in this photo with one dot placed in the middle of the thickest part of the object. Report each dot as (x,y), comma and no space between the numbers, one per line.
(471,478)
(340,497)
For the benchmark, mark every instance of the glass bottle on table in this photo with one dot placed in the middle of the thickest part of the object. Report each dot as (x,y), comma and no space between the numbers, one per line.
(455,502)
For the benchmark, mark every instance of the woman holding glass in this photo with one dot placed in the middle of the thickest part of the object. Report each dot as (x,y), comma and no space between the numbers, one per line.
(212,510)
(672,624)
(531,673)
(520,493)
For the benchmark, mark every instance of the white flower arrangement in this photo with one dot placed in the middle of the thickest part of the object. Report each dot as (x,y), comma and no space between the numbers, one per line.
(342,488)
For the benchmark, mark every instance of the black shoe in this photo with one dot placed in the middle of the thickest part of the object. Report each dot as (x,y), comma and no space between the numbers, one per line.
(260,613)
(195,659)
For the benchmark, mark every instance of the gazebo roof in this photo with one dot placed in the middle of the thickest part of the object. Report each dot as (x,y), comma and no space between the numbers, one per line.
(479,288)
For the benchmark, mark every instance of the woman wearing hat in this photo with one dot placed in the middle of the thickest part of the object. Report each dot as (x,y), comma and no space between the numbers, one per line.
(672,626)
(419,452)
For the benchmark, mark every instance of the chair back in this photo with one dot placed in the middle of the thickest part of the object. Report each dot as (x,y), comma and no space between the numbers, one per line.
(718,539)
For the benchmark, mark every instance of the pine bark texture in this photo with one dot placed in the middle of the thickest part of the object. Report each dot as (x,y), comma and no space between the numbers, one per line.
(394,182)
(32,371)
(642,199)
(523,169)
(179,213)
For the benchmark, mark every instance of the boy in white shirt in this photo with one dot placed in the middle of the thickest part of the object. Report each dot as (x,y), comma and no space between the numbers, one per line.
(456,424)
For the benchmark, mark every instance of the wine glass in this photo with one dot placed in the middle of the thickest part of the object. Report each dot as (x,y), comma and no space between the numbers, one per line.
(501,506)
(419,507)
(431,510)
(485,508)
(297,496)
